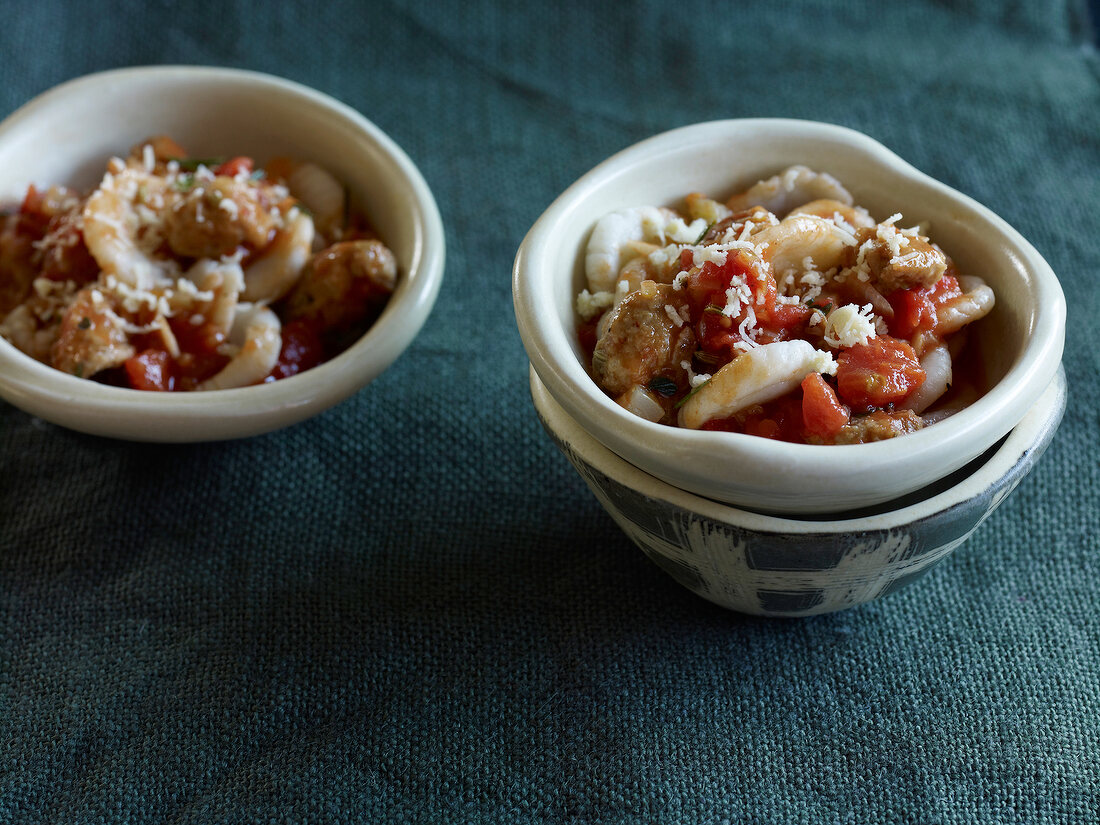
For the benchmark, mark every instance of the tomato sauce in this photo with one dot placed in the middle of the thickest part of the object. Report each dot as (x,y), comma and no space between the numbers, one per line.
(880,307)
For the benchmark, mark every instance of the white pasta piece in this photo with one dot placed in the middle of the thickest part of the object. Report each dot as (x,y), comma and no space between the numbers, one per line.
(976,302)
(936,364)
(257,334)
(763,373)
(791,187)
(612,244)
(321,194)
(120,234)
(843,215)
(219,283)
(274,273)
(797,238)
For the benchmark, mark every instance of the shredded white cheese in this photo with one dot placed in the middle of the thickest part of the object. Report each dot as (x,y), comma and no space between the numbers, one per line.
(673,315)
(664,256)
(589,304)
(680,232)
(694,379)
(850,325)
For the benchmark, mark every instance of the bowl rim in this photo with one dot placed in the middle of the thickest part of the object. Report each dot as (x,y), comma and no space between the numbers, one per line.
(1024,443)
(242,411)
(658,446)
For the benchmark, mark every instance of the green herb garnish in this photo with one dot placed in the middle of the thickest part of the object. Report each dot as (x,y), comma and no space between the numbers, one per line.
(714,309)
(663,386)
(85,323)
(192,164)
(184,183)
(78,370)
(694,390)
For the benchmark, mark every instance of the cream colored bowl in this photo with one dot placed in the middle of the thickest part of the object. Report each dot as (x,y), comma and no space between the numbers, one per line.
(1021,340)
(66,136)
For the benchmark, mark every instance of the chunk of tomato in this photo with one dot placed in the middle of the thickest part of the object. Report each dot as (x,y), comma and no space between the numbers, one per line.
(718,333)
(780,419)
(302,349)
(235,166)
(199,345)
(878,373)
(915,309)
(152,369)
(823,415)
(912,312)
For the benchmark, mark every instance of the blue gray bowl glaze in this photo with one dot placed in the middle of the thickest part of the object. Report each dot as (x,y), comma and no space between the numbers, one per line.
(779,566)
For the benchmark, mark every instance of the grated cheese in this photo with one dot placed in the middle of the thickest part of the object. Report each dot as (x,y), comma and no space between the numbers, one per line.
(589,304)
(850,325)
(681,232)
(664,256)
(737,296)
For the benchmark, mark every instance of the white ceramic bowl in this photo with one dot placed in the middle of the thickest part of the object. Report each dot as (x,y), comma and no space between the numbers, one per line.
(773,566)
(1021,340)
(66,135)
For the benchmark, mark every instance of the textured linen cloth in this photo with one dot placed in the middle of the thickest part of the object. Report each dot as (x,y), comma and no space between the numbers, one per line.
(410,609)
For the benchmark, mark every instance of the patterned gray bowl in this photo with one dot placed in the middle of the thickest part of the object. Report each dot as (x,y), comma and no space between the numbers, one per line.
(782,566)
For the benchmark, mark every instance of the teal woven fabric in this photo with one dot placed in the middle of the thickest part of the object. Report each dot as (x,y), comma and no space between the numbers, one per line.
(410,608)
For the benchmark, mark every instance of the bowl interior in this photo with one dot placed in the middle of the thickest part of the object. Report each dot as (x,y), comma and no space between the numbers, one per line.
(1019,343)
(66,136)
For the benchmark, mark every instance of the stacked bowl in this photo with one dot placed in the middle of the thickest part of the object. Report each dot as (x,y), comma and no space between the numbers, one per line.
(765,526)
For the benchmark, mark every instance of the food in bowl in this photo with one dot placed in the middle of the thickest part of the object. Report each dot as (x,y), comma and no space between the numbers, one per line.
(787,312)
(180,273)
(1019,343)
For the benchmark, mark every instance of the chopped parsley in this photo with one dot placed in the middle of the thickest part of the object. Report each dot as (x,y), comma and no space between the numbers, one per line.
(192,164)
(184,183)
(694,390)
